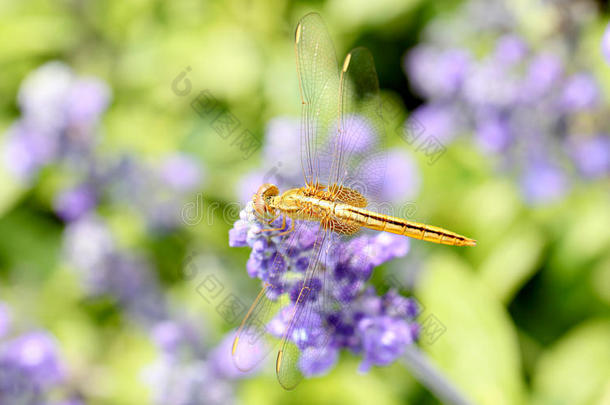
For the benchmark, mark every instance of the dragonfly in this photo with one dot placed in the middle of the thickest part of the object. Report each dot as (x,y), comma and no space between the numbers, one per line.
(343,165)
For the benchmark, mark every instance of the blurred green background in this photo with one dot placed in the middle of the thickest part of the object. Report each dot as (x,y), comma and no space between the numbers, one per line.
(527,312)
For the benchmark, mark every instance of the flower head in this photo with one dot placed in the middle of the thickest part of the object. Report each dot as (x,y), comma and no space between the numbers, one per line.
(515,98)
(383,340)
(60,113)
(73,203)
(180,172)
(35,354)
(86,101)
(188,370)
(107,270)
(339,303)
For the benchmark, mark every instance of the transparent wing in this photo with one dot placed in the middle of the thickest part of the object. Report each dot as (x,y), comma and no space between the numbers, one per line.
(341,134)
(342,129)
(258,334)
(341,138)
(308,334)
(357,147)
(318,74)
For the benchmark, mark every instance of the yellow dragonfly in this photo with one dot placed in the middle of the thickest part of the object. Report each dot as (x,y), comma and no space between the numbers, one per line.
(343,167)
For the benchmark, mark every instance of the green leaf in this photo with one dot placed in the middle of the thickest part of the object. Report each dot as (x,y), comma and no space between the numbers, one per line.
(31,243)
(576,369)
(586,237)
(505,270)
(467,332)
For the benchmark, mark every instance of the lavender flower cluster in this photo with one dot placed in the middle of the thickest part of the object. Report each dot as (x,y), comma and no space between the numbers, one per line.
(59,125)
(532,103)
(31,369)
(107,270)
(187,370)
(376,327)
(60,111)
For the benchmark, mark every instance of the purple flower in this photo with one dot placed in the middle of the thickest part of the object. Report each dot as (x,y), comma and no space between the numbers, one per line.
(347,265)
(28,148)
(86,100)
(392,178)
(517,97)
(221,362)
(59,116)
(129,279)
(249,184)
(606,44)
(398,306)
(16,386)
(493,133)
(591,155)
(35,354)
(73,203)
(167,335)
(72,401)
(42,96)
(383,340)
(282,139)
(171,336)
(188,371)
(60,113)
(437,73)
(491,84)
(189,381)
(543,182)
(544,72)
(159,194)
(439,120)
(388,246)
(510,49)
(238,234)
(402,178)
(52,97)
(359,135)
(87,242)
(580,92)
(317,361)
(108,271)
(181,172)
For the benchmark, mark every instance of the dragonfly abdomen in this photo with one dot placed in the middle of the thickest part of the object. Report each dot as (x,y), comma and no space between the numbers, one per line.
(400,226)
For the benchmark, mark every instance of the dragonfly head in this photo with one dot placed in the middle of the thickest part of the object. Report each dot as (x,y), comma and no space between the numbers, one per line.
(262,199)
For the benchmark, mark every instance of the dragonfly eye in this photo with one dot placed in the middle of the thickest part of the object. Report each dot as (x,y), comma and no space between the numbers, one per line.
(262,197)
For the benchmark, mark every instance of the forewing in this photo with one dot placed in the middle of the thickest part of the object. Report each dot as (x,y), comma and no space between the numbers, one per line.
(342,139)
(358,156)
(318,75)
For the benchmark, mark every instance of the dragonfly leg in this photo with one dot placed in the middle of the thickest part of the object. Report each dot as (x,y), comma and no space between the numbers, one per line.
(276,229)
(269,221)
(287,231)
